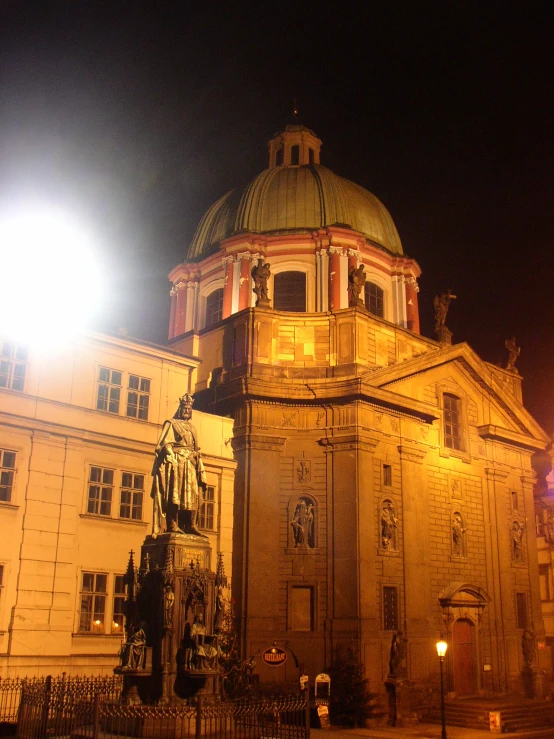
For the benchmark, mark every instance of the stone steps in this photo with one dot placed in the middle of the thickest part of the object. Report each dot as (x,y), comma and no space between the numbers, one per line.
(516,715)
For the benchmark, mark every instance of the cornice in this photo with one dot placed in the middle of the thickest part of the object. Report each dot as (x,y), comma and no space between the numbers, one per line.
(513,438)
(412,453)
(495,474)
(258,441)
(348,442)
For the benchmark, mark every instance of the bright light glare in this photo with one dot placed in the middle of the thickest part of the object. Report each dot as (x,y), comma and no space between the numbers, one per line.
(442,646)
(51,285)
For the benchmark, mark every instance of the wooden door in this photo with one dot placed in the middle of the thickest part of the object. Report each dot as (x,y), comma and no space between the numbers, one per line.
(462,657)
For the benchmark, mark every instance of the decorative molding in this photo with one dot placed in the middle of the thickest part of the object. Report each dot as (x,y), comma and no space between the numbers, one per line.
(411,453)
(496,475)
(259,442)
(348,442)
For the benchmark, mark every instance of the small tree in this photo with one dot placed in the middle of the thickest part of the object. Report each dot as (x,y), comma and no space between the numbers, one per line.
(350,696)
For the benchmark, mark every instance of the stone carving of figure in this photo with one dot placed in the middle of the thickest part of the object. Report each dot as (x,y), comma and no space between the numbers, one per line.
(303,524)
(441,304)
(528,646)
(178,474)
(458,532)
(517,541)
(204,653)
(397,654)
(169,601)
(132,652)
(389,523)
(513,353)
(260,274)
(356,282)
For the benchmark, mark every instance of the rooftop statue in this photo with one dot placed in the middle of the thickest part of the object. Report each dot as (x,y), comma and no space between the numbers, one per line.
(513,353)
(178,475)
(441,304)
(260,274)
(356,282)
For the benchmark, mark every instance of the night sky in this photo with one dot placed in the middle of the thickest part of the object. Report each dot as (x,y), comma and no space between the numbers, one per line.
(137,116)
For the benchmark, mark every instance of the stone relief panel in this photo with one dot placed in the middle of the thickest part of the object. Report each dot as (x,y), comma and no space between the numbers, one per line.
(302,477)
(455,487)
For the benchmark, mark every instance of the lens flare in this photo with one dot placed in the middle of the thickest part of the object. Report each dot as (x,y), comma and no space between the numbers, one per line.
(51,283)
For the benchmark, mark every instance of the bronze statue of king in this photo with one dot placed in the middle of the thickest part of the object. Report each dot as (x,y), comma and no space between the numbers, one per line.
(179,479)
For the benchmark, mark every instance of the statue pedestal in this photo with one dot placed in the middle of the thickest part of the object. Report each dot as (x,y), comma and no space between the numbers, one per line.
(171,597)
(400,700)
(444,336)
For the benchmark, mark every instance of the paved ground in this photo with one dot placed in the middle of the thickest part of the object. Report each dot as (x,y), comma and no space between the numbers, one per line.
(423,731)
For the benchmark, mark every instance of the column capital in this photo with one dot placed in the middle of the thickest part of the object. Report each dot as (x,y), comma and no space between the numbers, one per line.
(228,258)
(495,474)
(335,250)
(258,441)
(411,280)
(244,255)
(411,453)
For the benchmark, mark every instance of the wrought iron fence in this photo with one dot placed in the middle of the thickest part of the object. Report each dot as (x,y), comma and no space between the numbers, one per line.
(10,693)
(90,712)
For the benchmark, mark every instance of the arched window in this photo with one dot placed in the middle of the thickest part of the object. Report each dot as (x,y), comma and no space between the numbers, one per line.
(303,523)
(452,407)
(279,157)
(295,154)
(214,307)
(289,291)
(373,299)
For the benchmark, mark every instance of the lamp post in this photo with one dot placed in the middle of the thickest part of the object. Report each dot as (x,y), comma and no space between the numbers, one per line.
(442,646)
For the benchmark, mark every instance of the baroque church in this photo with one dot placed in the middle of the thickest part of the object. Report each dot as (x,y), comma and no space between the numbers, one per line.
(366,484)
(384,481)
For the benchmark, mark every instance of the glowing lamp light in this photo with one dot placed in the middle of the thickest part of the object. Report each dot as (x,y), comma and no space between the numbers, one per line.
(442,646)
(51,285)
(98,622)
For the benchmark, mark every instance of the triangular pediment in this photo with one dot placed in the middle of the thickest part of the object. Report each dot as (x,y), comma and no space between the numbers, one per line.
(459,370)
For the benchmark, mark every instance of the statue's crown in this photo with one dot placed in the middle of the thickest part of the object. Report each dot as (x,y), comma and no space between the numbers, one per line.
(186,399)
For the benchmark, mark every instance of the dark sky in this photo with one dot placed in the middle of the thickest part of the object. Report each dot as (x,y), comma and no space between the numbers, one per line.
(138,115)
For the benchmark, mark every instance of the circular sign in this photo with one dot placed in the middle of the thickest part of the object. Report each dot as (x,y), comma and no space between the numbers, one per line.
(274,656)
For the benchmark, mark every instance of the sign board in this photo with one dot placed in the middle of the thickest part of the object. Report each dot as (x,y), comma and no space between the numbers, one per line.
(495,722)
(324,720)
(322,686)
(274,656)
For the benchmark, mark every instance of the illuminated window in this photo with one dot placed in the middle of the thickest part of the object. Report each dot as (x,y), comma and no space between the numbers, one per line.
(214,307)
(138,397)
(109,390)
(390,608)
(207,509)
(544,582)
(13,365)
(289,291)
(302,608)
(452,407)
(92,613)
(100,491)
(295,154)
(132,493)
(373,299)
(118,611)
(7,474)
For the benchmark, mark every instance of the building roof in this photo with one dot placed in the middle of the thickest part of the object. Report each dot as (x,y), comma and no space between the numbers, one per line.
(296,198)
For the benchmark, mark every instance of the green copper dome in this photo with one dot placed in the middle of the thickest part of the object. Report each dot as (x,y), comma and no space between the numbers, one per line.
(290,198)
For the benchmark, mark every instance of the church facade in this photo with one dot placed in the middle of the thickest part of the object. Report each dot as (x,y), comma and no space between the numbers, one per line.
(384,481)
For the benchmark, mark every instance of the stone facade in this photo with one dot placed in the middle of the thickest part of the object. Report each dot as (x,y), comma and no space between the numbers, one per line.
(77,437)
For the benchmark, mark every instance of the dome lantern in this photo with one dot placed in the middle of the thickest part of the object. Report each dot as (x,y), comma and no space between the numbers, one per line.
(294,147)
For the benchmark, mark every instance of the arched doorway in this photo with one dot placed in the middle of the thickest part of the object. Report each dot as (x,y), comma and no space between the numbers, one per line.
(463,650)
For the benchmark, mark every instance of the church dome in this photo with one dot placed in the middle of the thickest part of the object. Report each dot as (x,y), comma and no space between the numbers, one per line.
(295,194)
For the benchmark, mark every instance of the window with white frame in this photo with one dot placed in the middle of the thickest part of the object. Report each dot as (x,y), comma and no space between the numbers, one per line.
(118,608)
(7,475)
(100,491)
(108,394)
(214,307)
(138,397)
(206,513)
(289,291)
(132,495)
(13,365)
(374,299)
(94,594)
(452,409)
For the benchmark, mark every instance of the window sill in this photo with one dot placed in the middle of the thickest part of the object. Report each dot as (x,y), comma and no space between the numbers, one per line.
(389,552)
(447,452)
(303,550)
(125,521)
(10,506)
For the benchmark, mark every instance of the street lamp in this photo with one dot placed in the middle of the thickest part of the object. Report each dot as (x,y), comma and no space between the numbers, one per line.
(442,646)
